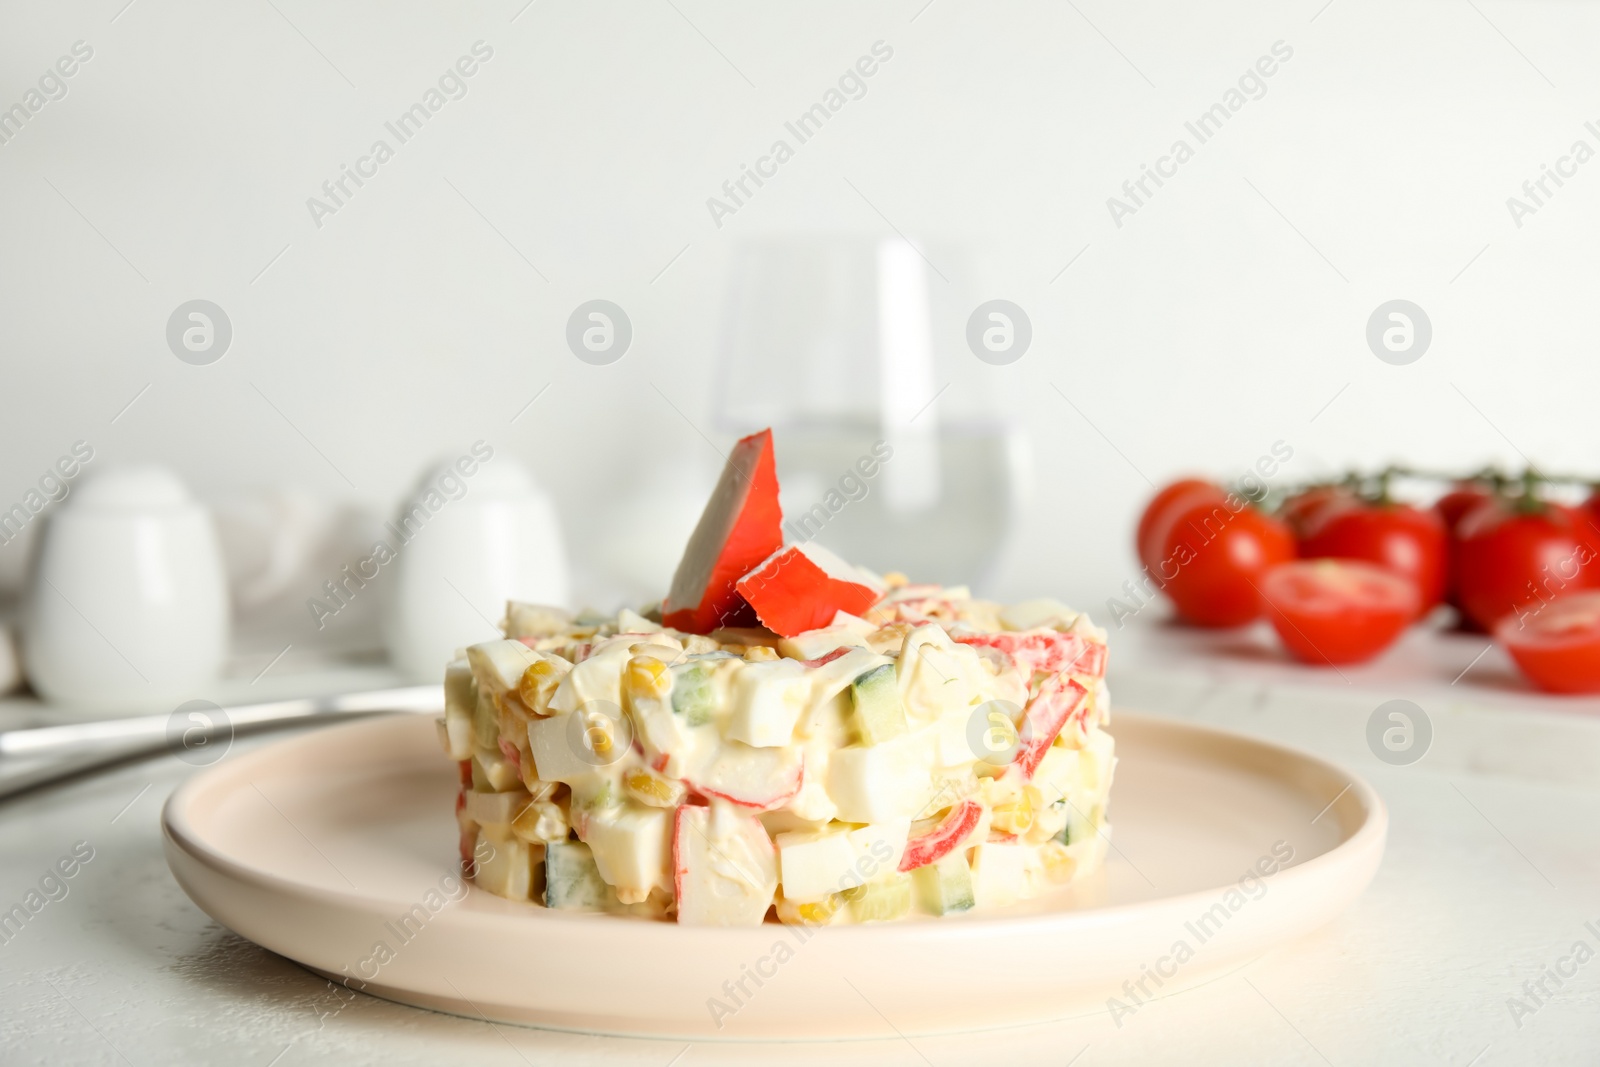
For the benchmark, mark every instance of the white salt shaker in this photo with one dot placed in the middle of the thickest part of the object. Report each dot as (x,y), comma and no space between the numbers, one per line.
(475,533)
(127,602)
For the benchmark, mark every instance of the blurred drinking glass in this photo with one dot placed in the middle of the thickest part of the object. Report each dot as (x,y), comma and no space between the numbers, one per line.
(854,351)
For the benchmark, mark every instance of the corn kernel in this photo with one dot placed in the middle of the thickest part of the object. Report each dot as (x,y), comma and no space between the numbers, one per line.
(536,683)
(1059,867)
(760,654)
(819,911)
(812,913)
(652,789)
(1015,817)
(648,675)
(894,580)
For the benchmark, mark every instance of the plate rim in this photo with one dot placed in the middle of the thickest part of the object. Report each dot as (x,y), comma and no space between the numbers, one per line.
(1371,833)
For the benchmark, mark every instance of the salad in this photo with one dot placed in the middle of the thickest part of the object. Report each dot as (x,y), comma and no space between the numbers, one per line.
(786,737)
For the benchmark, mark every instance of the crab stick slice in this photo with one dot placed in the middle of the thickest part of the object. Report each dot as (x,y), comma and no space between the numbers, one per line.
(1058,702)
(803,587)
(1049,651)
(943,839)
(740,527)
(724,867)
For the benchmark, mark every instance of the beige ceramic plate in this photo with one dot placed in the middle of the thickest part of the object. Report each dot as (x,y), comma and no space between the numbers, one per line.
(337,849)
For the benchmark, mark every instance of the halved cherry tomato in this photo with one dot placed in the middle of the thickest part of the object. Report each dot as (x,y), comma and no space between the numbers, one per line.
(1507,558)
(1167,502)
(1333,611)
(1214,557)
(1409,541)
(1557,645)
(1303,509)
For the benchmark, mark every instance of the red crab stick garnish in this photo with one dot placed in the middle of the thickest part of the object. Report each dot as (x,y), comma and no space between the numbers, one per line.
(942,839)
(804,586)
(740,527)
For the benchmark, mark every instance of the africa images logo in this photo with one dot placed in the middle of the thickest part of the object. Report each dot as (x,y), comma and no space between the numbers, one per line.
(1205,126)
(451,85)
(852,85)
(52,86)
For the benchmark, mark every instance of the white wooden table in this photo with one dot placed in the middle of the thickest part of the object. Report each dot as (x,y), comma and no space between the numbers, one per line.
(1492,873)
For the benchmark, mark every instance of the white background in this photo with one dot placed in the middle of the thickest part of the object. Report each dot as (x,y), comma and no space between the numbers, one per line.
(1227,314)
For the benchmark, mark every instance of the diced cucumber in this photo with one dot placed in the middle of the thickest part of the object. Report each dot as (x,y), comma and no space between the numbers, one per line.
(593,794)
(945,886)
(1081,825)
(876,697)
(571,879)
(882,899)
(693,694)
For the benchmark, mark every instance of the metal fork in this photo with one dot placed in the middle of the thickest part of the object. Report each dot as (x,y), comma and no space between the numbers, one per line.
(37,756)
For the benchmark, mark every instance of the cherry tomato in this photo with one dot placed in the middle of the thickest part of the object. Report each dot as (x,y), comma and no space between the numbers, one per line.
(1169,500)
(1302,509)
(1332,611)
(1507,558)
(1557,645)
(1589,514)
(1214,558)
(1409,541)
(1454,505)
